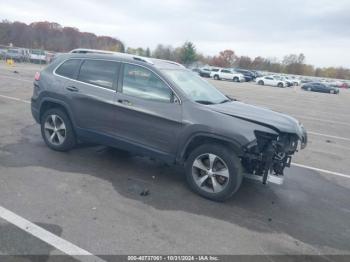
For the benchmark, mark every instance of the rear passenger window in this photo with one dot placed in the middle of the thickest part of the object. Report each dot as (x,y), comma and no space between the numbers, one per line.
(98,72)
(68,68)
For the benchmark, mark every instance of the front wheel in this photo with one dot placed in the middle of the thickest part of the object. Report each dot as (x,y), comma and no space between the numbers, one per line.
(261,82)
(216,77)
(235,79)
(57,130)
(280,84)
(214,172)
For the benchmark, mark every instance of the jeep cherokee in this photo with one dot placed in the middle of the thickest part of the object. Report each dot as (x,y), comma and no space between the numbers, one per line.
(158,108)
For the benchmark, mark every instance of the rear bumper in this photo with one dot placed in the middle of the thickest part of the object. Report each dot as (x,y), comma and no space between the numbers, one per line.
(35,110)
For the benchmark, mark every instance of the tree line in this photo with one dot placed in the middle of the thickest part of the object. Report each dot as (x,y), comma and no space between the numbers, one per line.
(54,37)
(290,64)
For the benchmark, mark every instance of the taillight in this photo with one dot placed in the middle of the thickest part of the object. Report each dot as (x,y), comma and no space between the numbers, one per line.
(37,76)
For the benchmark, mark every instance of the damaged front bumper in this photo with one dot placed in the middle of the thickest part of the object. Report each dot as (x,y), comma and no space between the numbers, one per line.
(266,157)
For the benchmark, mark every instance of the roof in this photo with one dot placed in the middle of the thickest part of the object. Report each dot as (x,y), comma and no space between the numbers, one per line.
(159,63)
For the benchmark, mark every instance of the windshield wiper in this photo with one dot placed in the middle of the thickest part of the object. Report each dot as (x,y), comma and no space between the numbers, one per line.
(204,102)
(225,101)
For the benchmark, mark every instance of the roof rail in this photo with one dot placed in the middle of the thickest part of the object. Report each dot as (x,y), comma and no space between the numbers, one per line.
(169,62)
(95,51)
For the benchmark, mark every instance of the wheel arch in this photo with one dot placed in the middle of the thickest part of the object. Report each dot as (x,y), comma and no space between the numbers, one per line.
(50,103)
(204,138)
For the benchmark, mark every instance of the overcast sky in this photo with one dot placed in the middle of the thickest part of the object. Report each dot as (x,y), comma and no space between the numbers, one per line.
(319,28)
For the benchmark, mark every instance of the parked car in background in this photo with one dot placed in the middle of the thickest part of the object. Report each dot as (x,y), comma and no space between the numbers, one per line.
(339,84)
(344,85)
(2,53)
(37,56)
(15,54)
(49,57)
(284,79)
(270,81)
(248,75)
(256,73)
(294,80)
(320,87)
(226,74)
(204,72)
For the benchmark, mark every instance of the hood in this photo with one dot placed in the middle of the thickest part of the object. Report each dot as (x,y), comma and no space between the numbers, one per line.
(263,116)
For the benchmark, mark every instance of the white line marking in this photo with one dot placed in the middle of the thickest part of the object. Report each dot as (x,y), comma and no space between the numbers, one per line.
(44,235)
(14,78)
(336,137)
(15,99)
(322,120)
(321,170)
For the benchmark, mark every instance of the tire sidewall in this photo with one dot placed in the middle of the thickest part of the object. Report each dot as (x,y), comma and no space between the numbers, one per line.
(233,165)
(70,140)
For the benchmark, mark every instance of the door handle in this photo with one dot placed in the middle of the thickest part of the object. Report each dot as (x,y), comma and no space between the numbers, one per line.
(124,102)
(72,88)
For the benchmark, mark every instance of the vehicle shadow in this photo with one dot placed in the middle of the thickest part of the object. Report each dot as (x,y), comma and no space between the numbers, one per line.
(307,207)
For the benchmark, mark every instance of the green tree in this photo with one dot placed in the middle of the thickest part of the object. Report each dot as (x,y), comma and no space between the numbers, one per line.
(188,53)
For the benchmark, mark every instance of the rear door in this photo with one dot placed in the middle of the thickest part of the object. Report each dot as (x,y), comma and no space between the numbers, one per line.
(92,96)
(226,74)
(149,113)
(270,80)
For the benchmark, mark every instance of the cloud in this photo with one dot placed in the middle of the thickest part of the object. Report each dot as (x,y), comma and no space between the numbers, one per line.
(320,29)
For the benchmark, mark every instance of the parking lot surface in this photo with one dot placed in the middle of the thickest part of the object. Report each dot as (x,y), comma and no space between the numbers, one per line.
(90,197)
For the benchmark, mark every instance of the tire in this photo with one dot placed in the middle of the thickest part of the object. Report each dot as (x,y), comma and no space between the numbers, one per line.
(280,85)
(64,138)
(235,79)
(260,82)
(228,163)
(309,89)
(331,91)
(216,77)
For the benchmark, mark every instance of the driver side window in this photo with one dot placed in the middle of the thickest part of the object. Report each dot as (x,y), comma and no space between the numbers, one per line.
(142,83)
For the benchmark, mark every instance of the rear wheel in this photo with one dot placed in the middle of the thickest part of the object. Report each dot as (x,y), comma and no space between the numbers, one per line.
(57,130)
(216,77)
(331,91)
(214,172)
(280,85)
(260,82)
(235,79)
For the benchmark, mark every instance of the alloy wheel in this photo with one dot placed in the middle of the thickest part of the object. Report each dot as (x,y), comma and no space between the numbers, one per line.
(210,173)
(55,130)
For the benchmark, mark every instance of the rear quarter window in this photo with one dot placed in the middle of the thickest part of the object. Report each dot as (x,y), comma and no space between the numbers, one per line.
(69,68)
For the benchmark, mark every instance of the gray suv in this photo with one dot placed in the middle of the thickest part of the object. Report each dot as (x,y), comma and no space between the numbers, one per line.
(158,108)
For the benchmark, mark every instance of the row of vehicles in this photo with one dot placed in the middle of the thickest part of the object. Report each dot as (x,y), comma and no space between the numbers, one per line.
(282,81)
(233,74)
(26,55)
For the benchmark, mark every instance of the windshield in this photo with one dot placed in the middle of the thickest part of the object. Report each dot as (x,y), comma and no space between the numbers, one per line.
(195,88)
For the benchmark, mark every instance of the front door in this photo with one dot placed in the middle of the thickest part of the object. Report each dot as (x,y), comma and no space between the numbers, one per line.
(149,113)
